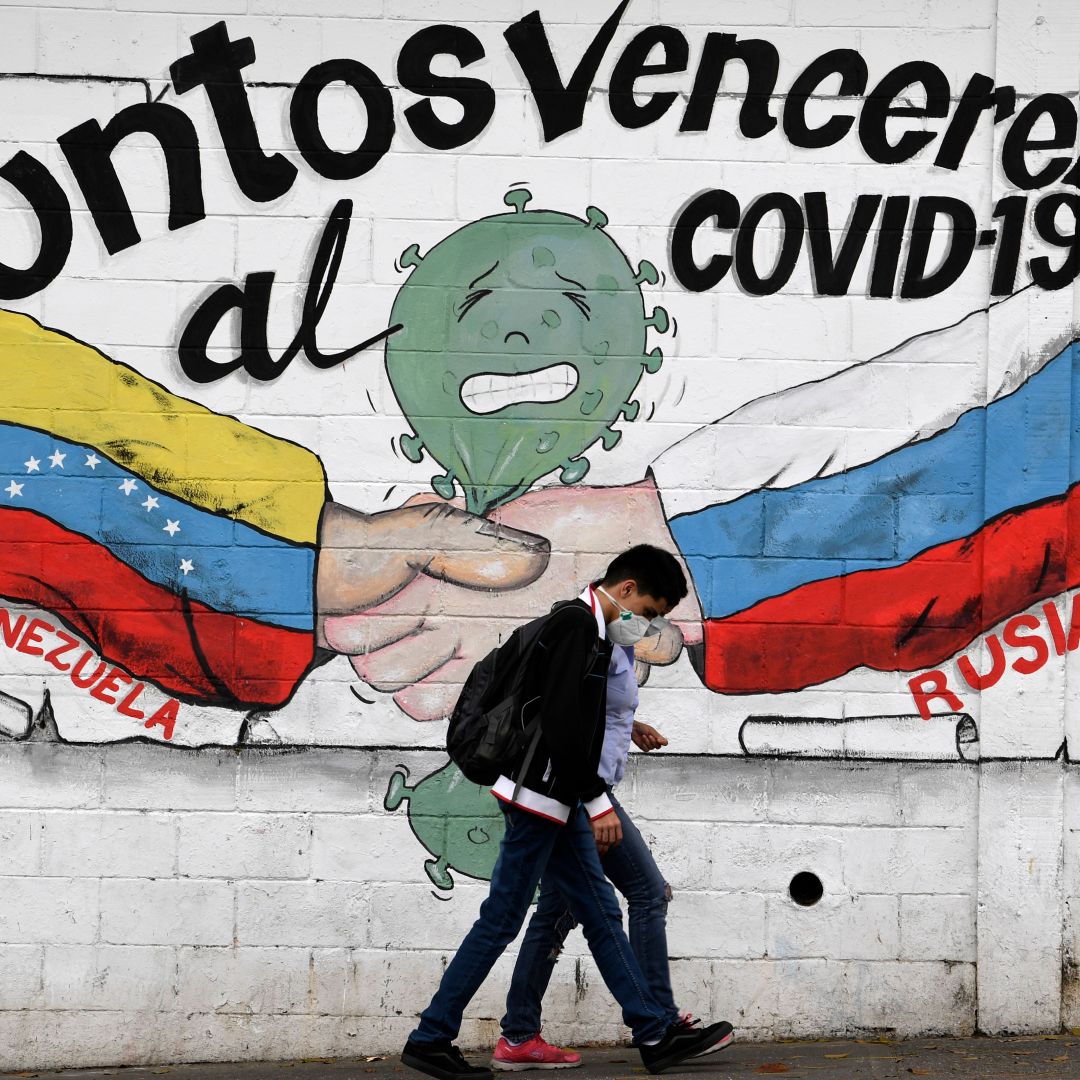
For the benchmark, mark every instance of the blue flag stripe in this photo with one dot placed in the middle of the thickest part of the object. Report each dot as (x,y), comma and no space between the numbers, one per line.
(222,563)
(1017,451)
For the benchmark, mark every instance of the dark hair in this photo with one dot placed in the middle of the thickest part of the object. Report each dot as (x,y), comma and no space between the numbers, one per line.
(656,571)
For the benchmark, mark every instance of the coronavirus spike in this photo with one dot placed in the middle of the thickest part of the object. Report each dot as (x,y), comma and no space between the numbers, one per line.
(652,361)
(658,320)
(596,217)
(412,446)
(438,872)
(444,485)
(398,791)
(574,470)
(630,410)
(610,438)
(411,256)
(518,198)
(646,272)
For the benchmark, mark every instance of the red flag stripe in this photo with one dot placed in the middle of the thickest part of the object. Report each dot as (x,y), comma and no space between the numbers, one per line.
(186,648)
(902,618)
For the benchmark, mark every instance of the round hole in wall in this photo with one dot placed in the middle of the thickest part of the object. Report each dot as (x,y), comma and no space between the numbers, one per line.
(806,888)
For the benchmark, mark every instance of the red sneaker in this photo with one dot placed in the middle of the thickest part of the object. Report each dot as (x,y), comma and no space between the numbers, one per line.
(535,1053)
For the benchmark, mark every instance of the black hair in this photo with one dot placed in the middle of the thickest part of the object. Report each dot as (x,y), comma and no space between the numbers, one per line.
(656,571)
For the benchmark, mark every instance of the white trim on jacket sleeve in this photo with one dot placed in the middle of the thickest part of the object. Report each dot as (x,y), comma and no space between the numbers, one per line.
(598,807)
(530,800)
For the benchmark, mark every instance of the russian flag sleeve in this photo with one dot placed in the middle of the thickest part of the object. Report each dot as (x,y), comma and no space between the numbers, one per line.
(886,516)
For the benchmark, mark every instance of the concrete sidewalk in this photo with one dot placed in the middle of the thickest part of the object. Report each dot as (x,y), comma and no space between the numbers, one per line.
(1055,1056)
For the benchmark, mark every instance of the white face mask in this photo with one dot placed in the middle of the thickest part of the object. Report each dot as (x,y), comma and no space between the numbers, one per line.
(628,628)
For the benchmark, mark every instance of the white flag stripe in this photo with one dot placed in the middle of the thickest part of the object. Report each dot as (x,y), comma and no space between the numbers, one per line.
(910,393)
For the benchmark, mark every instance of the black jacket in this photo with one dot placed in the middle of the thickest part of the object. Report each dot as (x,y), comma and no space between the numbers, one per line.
(567,681)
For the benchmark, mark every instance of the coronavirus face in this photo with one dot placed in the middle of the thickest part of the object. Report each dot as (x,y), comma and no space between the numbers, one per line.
(526,326)
(523,338)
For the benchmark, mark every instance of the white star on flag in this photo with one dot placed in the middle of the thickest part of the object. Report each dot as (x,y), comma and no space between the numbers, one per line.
(13,489)
(33,465)
(172,528)
(186,565)
(151,503)
(128,486)
(57,459)
(93,461)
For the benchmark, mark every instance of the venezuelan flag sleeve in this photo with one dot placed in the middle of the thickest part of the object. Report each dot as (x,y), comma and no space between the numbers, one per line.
(886,516)
(179,542)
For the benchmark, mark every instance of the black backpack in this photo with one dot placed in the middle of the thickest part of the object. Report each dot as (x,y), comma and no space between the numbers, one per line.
(488,732)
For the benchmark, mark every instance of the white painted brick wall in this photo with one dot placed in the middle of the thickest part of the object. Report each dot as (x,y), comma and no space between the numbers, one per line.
(300,913)
(110,976)
(37,910)
(22,985)
(147,911)
(282,930)
(934,927)
(247,913)
(244,846)
(104,844)
(847,928)
(248,980)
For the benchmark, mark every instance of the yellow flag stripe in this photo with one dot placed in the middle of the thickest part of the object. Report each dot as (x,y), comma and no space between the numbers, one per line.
(54,383)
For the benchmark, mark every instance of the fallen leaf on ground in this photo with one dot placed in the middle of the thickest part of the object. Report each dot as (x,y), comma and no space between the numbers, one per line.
(836,1056)
(919,1072)
(773,1067)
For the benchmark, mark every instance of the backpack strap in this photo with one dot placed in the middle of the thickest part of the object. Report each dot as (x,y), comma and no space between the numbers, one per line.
(529,755)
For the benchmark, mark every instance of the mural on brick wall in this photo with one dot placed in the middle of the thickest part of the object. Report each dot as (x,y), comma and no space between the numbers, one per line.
(878,541)
(556,380)
(227,608)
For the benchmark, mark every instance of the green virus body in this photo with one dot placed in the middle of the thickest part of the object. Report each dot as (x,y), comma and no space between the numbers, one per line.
(459,822)
(524,337)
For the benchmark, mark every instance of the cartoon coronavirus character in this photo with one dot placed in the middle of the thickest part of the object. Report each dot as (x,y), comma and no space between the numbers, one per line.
(459,822)
(523,338)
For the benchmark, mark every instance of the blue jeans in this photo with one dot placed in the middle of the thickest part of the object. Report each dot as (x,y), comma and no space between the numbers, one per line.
(566,856)
(633,871)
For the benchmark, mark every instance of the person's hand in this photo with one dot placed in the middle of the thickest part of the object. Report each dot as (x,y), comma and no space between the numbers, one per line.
(646,737)
(607,832)
(414,609)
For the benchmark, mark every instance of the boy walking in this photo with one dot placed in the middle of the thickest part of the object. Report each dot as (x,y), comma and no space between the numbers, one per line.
(629,866)
(558,818)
